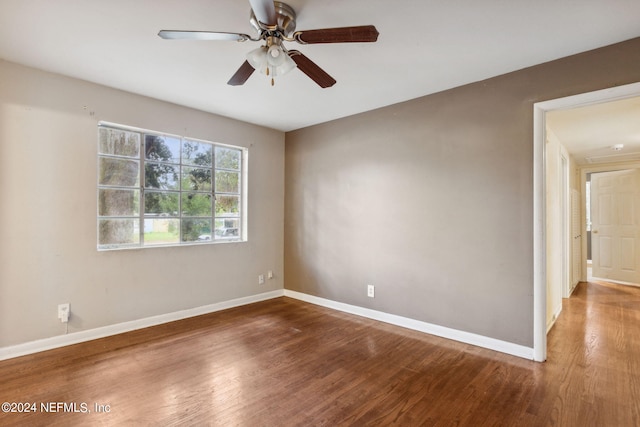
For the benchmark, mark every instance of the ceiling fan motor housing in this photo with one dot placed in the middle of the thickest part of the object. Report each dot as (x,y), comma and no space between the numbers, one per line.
(285,20)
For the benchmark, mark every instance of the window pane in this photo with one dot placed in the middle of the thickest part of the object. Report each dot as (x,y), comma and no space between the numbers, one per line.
(161,176)
(227,158)
(196,230)
(227,228)
(118,232)
(227,182)
(162,148)
(196,204)
(227,205)
(119,172)
(196,179)
(158,203)
(119,142)
(161,231)
(181,197)
(196,153)
(113,202)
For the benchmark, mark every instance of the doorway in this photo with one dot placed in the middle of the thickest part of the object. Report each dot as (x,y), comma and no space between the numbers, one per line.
(540,208)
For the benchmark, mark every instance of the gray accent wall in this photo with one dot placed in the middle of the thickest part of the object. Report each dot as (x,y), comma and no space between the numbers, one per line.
(431,200)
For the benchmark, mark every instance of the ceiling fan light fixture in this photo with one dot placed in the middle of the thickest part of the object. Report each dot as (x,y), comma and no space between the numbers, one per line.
(271,60)
(288,65)
(275,55)
(258,58)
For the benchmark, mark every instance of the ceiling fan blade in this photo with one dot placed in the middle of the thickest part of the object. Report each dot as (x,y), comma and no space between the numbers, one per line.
(241,76)
(202,35)
(311,69)
(364,33)
(265,11)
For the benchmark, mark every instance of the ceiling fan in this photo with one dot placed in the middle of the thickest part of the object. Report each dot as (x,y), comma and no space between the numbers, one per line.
(276,22)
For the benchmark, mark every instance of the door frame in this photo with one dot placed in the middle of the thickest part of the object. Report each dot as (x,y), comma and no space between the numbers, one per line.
(565,210)
(539,206)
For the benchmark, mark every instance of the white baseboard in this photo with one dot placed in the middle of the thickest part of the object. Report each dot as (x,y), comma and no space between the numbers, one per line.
(119,328)
(615,282)
(91,334)
(417,325)
(554,318)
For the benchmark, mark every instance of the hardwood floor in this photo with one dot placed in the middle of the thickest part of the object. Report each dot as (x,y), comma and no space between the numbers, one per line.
(288,363)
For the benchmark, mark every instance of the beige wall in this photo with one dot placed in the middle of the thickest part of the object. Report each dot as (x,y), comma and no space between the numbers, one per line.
(48,139)
(431,200)
(554,226)
(554,152)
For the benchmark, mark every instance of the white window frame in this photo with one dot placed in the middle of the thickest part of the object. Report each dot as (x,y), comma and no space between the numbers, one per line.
(141,220)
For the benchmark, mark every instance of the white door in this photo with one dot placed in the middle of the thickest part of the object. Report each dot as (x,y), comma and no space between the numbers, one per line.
(615,229)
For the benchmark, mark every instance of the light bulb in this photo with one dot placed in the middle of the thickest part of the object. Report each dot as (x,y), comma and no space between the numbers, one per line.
(275,56)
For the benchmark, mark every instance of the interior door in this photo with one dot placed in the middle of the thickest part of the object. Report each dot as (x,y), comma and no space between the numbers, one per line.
(615,201)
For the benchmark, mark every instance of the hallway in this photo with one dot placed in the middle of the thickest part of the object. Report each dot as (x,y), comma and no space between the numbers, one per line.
(593,351)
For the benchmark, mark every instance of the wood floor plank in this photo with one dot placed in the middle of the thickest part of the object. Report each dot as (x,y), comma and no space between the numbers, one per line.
(284,362)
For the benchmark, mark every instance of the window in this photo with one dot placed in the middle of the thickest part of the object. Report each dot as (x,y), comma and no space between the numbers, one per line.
(156,189)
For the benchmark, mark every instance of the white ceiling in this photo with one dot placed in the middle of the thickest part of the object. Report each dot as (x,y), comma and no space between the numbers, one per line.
(589,133)
(425,46)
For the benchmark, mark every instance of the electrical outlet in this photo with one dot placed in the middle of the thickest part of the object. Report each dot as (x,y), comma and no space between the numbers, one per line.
(63,312)
(261,279)
(371,291)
